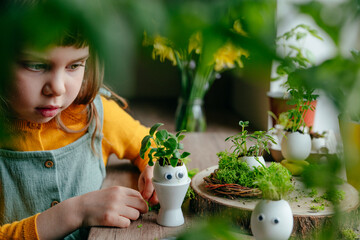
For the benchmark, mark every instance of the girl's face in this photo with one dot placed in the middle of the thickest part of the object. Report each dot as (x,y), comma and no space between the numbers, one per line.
(47,82)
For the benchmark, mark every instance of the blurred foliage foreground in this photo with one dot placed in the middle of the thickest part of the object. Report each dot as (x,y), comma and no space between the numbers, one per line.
(115,28)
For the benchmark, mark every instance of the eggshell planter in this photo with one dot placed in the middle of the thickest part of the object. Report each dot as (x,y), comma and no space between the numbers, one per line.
(171,184)
(253,162)
(272,220)
(296,146)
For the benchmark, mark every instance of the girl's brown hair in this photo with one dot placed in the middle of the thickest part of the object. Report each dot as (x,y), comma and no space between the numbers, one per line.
(69,30)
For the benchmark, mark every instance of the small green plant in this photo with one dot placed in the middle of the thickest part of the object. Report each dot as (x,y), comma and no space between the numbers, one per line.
(301,98)
(167,147)
(250,144)
(274,182)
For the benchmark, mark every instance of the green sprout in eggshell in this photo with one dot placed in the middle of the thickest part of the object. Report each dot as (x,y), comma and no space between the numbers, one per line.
(167,147)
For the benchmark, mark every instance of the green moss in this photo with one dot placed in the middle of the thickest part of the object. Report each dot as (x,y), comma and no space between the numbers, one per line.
(274,182)
(232,170)
(317,208)
(348,234)
(313,193)
(334,196)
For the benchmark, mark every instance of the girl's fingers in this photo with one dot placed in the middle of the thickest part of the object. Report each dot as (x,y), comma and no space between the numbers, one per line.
(148,191)
(130,213)
(123,222)
(137,203)
(154,199)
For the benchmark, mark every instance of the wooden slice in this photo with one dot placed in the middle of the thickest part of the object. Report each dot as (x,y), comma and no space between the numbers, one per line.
(240,209)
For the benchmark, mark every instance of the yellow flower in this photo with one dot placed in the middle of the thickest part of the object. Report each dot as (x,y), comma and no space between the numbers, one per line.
(238,28)
(227,56)
(163,50)
(195,43)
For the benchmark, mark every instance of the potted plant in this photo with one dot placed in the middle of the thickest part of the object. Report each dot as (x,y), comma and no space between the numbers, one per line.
(170,178)
(272,218)
(294,57)
(249,147)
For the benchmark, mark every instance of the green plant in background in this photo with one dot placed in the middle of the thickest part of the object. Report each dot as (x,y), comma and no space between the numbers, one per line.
(250,144)
(296,57)
(301,100)
(274,182)
(197,72)
(168,146)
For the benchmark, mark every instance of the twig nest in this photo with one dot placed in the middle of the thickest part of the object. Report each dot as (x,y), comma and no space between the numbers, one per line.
(253,161)
(296,146)
(170,175)
(272,220)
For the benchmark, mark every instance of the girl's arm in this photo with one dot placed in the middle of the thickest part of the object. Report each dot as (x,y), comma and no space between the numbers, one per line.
(114,206)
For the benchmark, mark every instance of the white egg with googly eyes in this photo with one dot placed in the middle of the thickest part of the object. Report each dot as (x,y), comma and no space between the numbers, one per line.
(169,174)
(272,220)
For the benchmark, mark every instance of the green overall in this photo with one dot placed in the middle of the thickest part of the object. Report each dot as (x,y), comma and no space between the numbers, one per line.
(31,182)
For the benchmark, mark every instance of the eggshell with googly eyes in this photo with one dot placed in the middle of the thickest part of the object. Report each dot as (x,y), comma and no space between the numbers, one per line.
(169,174)
(272,220)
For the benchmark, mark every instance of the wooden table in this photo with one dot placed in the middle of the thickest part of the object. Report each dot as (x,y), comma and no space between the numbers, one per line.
(203,148)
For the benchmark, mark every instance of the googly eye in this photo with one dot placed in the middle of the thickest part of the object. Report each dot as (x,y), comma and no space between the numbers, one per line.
(180,175)
(275,221)
(261,217)
(168,176)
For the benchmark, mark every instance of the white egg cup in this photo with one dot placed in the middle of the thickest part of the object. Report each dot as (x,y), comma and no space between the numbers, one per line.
(171,185)
(272,220)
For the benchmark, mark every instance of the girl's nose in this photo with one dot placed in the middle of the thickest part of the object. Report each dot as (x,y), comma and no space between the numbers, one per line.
(55,85)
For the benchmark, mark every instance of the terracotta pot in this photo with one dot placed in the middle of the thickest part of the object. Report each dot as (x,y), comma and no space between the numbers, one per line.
(278,105)
(272,220)
(296,146)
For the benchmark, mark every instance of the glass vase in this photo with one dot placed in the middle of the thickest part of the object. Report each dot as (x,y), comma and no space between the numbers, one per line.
(190,115)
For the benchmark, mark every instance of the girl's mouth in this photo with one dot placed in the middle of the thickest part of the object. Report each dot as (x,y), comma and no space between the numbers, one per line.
(48,111)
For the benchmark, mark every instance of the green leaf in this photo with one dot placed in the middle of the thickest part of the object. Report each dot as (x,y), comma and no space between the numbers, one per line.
(180,146)
(145,144)
(162,135)
(174,161)
(171,144)
(154,128)
(185,154)
(150,163)
(181,137)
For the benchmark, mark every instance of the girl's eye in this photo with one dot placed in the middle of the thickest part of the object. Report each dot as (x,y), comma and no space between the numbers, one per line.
(35,67)
(76,66)
(168,176)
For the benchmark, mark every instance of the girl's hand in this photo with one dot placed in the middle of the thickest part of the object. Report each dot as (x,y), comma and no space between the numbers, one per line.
(146,187)
(114,206)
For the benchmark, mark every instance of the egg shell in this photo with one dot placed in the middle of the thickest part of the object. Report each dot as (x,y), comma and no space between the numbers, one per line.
(170,175)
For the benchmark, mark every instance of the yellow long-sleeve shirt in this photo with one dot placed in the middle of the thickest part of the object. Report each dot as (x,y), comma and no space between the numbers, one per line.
(122,136)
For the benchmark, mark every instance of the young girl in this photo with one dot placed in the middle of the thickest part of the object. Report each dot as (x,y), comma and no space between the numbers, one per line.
(62,131)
